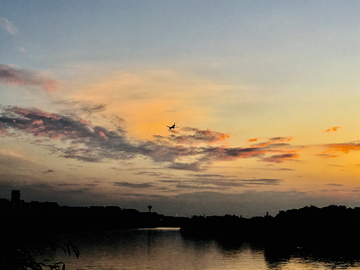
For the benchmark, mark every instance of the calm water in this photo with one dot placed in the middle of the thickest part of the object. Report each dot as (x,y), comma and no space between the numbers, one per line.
(164,248)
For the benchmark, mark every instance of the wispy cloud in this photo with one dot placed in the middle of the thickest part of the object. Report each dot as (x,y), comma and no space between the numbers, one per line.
(90,143)
(282,157)
(153,174)
(190,135)
(335,185)
(81,106)
(25,77)
(326,155)
(197,187)
(133,185)
(220,182)
(274,140)
(193,135)
(8,26)
(48,171)
(194,166)
(262,182)
(208,175)
(276,169)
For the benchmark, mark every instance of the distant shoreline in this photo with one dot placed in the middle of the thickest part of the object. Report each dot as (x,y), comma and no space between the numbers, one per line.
(304,227)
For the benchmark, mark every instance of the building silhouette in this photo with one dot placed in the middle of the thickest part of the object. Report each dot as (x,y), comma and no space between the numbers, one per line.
(42,217)
(15,196)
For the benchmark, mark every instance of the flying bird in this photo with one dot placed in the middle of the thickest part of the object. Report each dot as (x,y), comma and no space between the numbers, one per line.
(172,127)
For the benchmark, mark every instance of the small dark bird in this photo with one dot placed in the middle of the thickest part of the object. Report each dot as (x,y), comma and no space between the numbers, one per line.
(172,127)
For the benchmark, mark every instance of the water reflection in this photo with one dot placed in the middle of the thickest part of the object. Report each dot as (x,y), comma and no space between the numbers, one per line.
(168,249)
(298,258)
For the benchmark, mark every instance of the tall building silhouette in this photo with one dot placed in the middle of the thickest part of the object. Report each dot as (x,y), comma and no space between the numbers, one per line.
(15,196)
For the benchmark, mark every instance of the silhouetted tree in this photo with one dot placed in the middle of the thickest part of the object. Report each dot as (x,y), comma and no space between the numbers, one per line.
(149,208)
(20,254)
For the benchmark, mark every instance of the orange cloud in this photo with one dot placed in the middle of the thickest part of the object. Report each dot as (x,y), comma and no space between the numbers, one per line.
(252,140)
(102,134)
(344,147)
(331,129)
(273,141)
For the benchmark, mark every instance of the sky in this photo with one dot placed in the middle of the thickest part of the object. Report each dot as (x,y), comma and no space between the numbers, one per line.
(264,94)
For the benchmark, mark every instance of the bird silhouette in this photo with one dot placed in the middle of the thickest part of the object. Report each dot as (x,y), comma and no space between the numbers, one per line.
(172,127)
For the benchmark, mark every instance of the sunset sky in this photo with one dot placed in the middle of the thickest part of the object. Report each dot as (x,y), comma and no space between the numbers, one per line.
(265,96)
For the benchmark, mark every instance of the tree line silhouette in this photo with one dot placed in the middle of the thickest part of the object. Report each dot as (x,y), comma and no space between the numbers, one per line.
(309,227)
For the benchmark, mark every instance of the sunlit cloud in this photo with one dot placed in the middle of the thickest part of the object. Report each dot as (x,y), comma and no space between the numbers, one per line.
(344,147)
(87,143)
(331,129)
(274,140)
(92,143)
(25,77)
(8,26)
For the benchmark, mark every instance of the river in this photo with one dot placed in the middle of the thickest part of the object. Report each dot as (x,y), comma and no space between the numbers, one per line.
(167,248)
